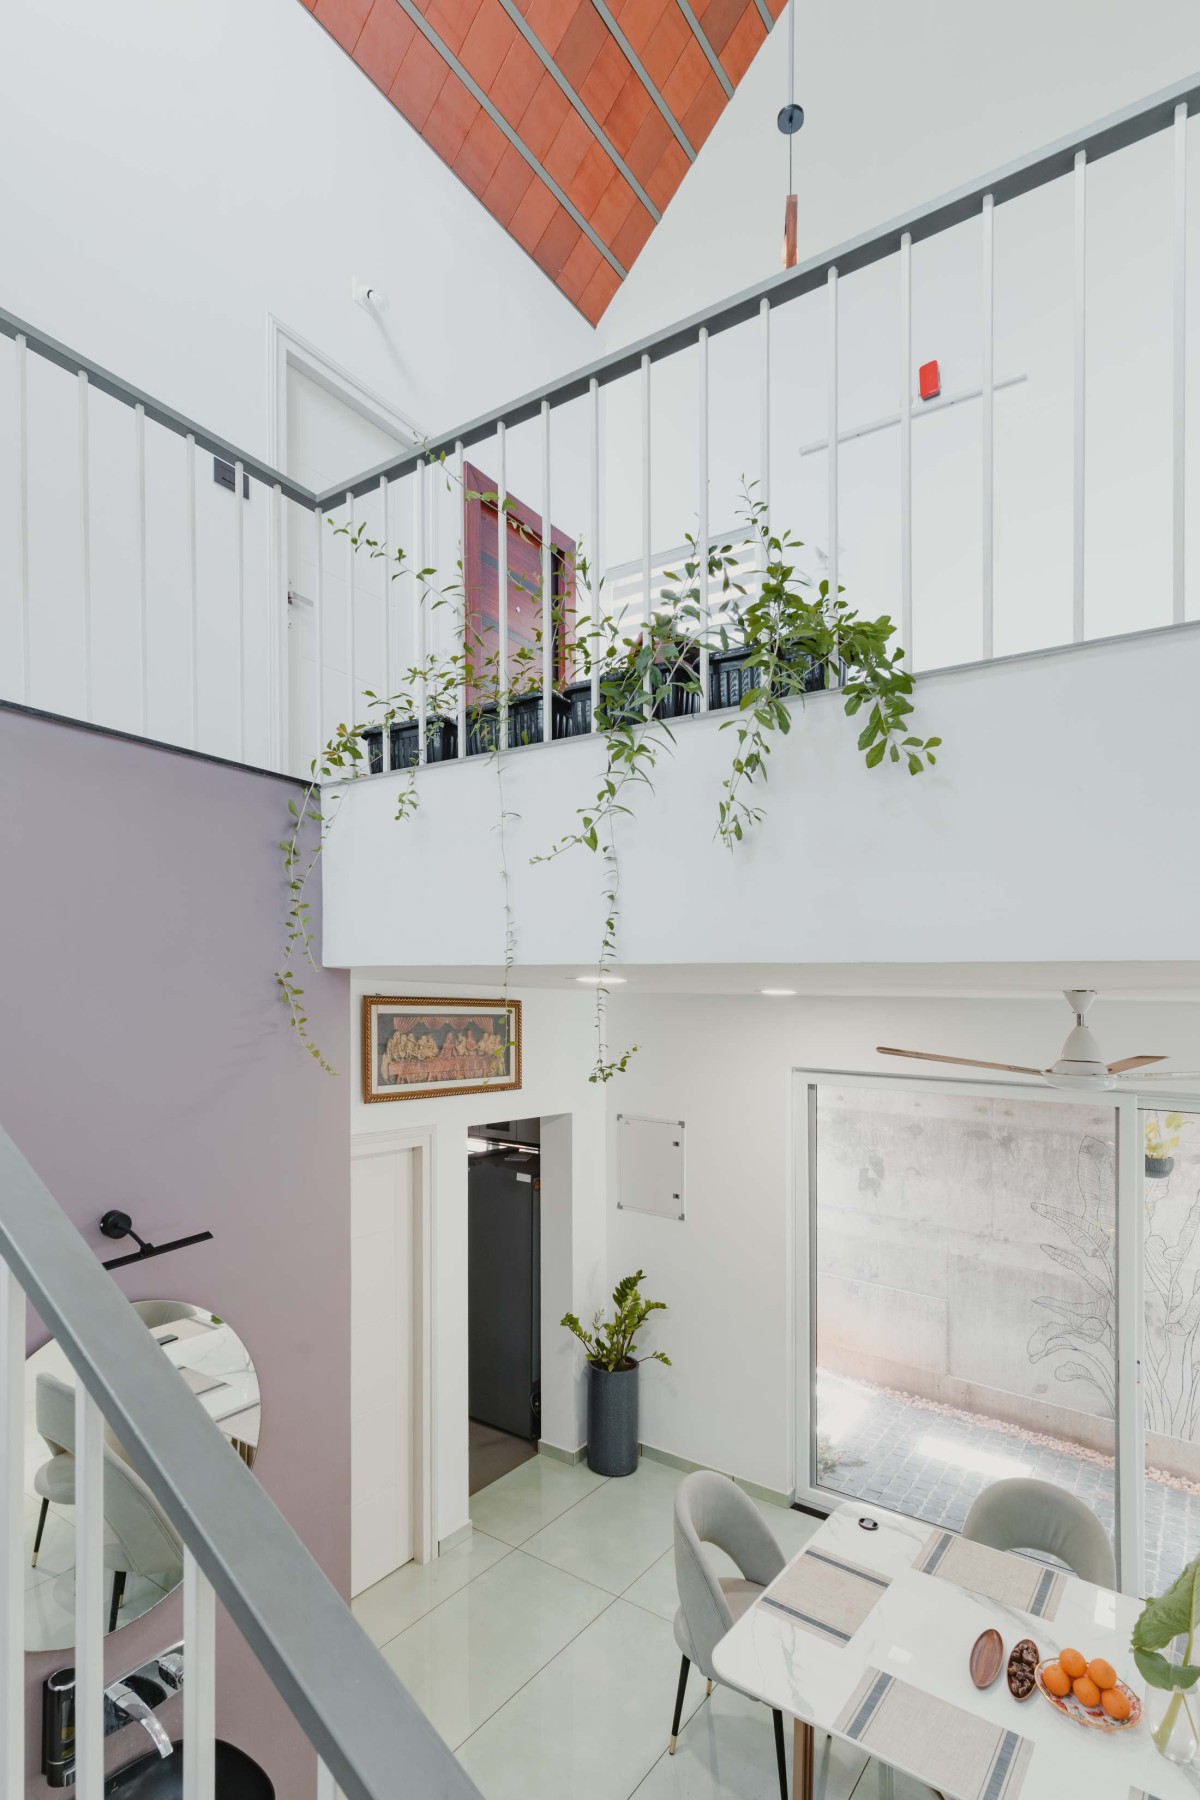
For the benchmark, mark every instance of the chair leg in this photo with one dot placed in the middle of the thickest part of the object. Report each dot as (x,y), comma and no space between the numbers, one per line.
(118,1594)
(684,1666)
(781,1755)
(37,1542)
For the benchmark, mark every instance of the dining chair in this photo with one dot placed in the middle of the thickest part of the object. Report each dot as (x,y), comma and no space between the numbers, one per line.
(1023,1514)
(712,1510)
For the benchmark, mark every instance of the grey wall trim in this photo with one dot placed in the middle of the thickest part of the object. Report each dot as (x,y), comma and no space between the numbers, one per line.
(128,395)
(361,1721)
(773,1496)
(455,1538)
(597,130)
(714,61)
(559,1454)
(469,82)
(1117,132)
(639,68)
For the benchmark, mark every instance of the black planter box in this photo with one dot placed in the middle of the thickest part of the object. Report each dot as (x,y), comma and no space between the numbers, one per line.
(612,1420)
(524,722)
(731,675)
(578,696)
(441,743)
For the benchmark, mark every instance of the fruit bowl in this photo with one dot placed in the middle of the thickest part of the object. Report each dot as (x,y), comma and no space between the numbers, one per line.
(1095,1716)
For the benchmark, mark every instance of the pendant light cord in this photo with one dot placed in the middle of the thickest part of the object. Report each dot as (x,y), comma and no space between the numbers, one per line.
(791,84)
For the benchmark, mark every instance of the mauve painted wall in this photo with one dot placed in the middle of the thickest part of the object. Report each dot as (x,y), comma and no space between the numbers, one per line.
(146,1063)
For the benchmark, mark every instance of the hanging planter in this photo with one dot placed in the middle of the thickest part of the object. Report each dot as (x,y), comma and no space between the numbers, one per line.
(524,722)
(1159,1167)
(731,675)
(441,743)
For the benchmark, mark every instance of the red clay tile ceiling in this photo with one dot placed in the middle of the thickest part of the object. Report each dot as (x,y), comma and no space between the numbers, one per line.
(573,121)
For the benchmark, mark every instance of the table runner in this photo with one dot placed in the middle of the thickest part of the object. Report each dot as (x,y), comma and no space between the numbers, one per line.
(1009,1580)
(949,1748)
(826,1595)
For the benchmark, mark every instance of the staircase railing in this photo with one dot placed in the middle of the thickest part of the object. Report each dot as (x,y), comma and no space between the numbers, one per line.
(368,1733)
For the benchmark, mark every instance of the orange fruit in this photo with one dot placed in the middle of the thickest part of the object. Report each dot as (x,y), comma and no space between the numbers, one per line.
(1073,1663)
(1086,1692)
(1102,1673)
(1116,1703)
(1057,1680)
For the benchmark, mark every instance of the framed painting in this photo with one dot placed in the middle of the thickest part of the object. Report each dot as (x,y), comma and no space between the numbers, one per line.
(417,1049)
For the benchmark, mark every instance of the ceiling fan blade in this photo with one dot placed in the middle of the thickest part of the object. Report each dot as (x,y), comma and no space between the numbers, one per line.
(965,1062)
(1132,1062)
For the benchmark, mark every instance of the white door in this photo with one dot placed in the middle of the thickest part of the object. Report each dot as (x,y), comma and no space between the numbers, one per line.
(328,440)
(382,1316)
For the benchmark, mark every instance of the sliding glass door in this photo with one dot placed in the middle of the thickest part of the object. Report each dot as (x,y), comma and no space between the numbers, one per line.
(1170,1143)
(974,1287)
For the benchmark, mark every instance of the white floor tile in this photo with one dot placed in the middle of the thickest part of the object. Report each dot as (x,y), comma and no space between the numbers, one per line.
(405,1596)
(527,1498)
(592,1723)
(656,1589)
(726,1752)
(615,1534)
(469,1655)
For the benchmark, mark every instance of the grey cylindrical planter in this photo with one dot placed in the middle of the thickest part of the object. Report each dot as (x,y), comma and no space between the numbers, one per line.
(1159,1167)
(612,1420)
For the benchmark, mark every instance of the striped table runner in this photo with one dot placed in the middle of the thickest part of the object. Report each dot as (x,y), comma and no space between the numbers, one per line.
(947,1747)
(1009,1580)
(826,1595)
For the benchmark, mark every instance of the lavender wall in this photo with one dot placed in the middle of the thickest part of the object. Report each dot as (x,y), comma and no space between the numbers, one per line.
(146,1063)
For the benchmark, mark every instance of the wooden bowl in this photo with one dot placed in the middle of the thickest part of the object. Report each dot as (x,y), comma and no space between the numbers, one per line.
(1095,1716)
(987,1658)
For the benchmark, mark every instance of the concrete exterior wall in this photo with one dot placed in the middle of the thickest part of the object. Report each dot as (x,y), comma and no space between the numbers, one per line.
(146,1063)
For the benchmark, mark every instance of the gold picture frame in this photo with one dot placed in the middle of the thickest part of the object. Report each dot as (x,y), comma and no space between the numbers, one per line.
(419,1048)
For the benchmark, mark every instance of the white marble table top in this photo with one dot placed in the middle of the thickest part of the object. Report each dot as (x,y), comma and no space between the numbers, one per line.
(922,1630)
(216,1351)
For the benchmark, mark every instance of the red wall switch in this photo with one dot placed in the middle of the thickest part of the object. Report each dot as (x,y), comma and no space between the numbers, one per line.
(930,378)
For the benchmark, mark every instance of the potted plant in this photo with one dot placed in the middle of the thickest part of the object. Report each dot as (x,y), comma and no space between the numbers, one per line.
(612,1407)
(1173,1615)
(1160,1141)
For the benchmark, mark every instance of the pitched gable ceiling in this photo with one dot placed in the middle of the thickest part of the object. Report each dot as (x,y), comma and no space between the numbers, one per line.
(573,121)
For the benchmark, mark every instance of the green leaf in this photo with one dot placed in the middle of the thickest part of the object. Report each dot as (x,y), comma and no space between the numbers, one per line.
(875,754)
(1164,1619)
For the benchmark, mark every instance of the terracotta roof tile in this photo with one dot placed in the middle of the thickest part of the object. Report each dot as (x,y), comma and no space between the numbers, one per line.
(570,144)
(343,19)
(686,78)
(450,118)
(487,43)
(581,44)
(385,37)
(533,214)
(598,292)
(704,111)
(508,186)
(420,79)
(605,79)
(579,268)
(541,119)
(550,19)
(666,44)
(661,184)
(480,155)
(591,179)
(743,44)
(516,81)
(556,242)
(624,117)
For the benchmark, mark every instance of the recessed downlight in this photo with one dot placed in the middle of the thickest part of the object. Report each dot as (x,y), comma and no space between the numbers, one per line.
(778,993)
(601,980)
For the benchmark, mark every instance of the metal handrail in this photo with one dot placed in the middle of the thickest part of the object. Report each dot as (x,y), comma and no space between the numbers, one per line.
(1116,132)
(360,1720)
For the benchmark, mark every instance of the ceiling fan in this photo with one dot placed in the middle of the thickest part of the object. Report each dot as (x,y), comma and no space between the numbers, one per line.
(1080,1064)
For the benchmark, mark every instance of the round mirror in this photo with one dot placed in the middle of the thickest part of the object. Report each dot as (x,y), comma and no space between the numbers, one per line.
(143,1557)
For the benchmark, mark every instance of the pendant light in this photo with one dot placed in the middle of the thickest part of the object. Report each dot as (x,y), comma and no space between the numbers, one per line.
(790,119)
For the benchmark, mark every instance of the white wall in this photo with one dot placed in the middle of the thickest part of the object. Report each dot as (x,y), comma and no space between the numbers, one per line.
(1030,840)
(558,1053)
(723,1066)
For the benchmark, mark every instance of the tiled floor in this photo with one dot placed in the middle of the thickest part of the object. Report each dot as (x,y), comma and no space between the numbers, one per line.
(493,1453)
(925,1461)
(542,1649)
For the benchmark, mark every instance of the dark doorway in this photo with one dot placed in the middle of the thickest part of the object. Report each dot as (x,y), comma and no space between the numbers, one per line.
(503,1297)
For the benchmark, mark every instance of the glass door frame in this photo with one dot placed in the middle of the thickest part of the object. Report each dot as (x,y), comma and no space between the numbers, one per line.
(1129,1423)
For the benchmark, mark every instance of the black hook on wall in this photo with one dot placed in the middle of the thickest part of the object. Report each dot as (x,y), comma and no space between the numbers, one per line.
(120,1225)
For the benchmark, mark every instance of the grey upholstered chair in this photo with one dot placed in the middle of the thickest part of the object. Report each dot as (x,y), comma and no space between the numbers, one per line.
(712,1509)
(1034,1515)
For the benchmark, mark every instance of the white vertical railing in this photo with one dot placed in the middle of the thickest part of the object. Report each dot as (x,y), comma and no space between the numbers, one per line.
(906,594)
(502,586)
(12,1536)
(351,638)
(200,1689)
(385,538)
(422,596)
(831,400)
(276,577)
(1179,373)
(548,632)
(702,426)
(597,562)
(764,412)
(22,373)
(139,436)
(326,1786)
(647,526)
(240,551)
(1079,409)
(85,543)
(319,629)
(90,1596)
(279,601)
(193,606)
(987,385)
(462,620)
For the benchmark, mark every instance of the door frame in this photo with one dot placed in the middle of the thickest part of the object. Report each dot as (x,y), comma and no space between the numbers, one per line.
(1129,1432)
(424,1338)
(287,349)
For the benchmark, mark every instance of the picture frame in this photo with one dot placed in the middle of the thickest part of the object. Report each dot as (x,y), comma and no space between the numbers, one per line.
(418,1048)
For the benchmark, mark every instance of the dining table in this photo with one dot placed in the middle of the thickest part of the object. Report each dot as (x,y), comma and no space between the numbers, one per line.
(866,1636)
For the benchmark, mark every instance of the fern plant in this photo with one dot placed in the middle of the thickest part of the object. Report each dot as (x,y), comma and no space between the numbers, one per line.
(611,1343)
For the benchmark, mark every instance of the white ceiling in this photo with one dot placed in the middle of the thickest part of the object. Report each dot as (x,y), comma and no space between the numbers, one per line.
(959,981)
